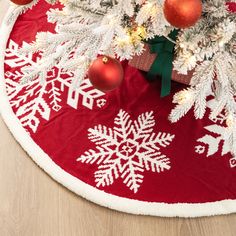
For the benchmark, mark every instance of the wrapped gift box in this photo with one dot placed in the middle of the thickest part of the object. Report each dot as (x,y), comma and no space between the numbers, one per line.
(145,61)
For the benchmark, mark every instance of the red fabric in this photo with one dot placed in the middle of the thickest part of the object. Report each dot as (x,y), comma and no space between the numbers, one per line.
(232,6)
(193,177)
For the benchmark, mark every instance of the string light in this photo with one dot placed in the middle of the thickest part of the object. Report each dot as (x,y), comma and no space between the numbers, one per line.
(133,37)
(221,43)
(230,120)
(63,1)
(142,32)
(184,97)
(123,42)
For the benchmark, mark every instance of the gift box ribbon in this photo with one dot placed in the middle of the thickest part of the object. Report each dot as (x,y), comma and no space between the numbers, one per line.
(163,64)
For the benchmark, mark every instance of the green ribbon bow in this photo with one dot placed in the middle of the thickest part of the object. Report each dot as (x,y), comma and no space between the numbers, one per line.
(162,65)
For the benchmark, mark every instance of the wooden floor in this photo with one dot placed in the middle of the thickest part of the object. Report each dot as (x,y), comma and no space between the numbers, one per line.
(32,204)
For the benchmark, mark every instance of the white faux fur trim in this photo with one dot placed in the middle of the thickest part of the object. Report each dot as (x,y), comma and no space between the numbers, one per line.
(83,189)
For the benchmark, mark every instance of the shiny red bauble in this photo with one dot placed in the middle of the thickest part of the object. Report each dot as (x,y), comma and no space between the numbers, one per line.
(231,6)
(105,73)
(182,14)
(21,2)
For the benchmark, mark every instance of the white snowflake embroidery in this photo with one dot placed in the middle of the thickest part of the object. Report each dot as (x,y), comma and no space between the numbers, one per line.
(101,103)
(214,142)
(200,149)
(220,138)
(127,150)
(36,99)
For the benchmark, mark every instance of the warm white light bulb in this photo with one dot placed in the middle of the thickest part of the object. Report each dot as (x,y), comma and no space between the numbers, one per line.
(230,120)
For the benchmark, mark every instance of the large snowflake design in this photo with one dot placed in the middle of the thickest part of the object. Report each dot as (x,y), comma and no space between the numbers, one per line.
(127,150)
(35,100)
(219,138)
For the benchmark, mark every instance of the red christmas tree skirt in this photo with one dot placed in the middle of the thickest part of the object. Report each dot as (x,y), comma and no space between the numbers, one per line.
(117,149)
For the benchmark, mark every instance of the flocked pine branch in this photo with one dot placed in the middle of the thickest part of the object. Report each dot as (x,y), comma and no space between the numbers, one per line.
(18,10)
(209,48)
(86,28)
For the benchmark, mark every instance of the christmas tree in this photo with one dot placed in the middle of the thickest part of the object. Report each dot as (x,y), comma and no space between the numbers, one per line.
(204,46)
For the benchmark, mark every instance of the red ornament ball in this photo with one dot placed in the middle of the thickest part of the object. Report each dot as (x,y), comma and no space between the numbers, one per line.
(184,13)
(106,73)
(21,2)
(231,6)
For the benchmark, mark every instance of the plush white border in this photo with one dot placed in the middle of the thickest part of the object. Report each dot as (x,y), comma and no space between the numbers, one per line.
(85,190)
